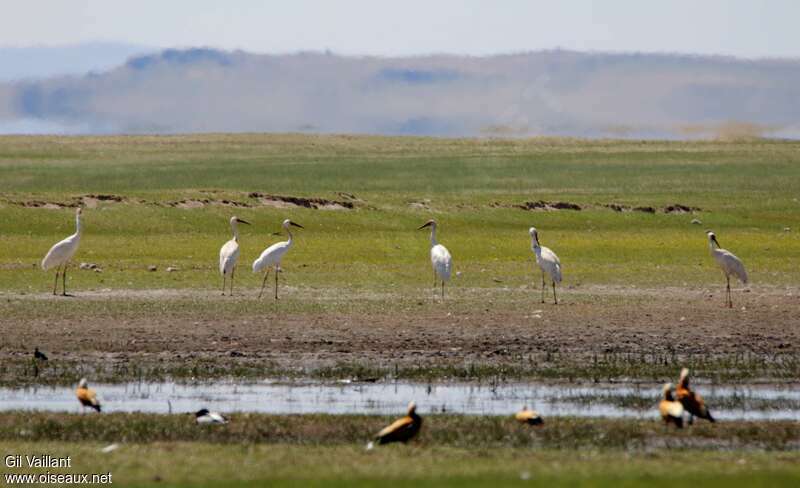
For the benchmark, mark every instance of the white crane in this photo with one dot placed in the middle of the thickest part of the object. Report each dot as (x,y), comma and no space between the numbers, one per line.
(272,256)
(441,260)
(548,262)
(730,265)
(60,254)
(229,253)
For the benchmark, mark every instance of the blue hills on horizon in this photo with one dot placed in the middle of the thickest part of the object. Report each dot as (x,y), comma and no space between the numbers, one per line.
(538,93)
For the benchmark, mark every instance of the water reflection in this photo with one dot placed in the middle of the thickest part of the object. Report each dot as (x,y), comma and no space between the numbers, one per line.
(590,400)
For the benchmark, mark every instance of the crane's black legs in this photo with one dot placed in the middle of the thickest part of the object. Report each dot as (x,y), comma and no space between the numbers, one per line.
(264,283)
(543,286)
(276,283)
(730,300)
(55,285)
(223,283)
(64,280)
(233,271)
(555,300)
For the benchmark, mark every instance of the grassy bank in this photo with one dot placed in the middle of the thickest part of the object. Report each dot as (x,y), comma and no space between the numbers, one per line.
(641,294)
(289,450)
(746,192)
(458,431)
(201,464)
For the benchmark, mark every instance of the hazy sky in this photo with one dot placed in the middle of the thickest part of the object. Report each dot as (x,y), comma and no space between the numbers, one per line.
(748,28)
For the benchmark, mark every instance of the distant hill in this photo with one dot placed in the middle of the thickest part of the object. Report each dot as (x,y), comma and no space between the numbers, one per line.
(539,93)
(21,63)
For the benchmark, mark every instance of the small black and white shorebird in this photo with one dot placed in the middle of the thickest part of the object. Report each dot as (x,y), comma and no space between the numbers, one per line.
(203,416)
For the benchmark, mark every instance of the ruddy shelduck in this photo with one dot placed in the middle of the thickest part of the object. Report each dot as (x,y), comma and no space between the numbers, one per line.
(671,410)
(403,429)
(87,396)
(692,402)
(527,416)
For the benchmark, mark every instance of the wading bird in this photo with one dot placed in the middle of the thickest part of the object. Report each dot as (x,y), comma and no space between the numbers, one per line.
(203,416)
(39,355)
(229,253)
(671,410)
(60,254)
(730,265)
(530,417)
(401,430)
(272,257)
(441,260)
(87,396)
(548,262)
(692,402)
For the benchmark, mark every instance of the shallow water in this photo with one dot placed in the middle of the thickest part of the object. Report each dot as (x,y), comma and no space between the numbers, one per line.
(589,400)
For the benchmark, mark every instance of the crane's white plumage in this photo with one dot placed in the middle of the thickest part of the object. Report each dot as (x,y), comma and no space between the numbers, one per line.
(548,262)
(60,254)
(441,260)
(229,253)
(728,263)
(272,257)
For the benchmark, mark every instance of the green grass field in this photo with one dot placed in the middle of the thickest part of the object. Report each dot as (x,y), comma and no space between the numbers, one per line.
(748,193)
(451,451)
(216,465)
(368,263)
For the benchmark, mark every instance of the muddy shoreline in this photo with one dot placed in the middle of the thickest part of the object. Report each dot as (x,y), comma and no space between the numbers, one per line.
(610,338)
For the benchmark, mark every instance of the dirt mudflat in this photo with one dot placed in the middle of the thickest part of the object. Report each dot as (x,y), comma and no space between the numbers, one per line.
(605,324)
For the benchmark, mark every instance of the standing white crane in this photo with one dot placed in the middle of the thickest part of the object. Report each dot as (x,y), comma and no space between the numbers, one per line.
(730,265)
(441,260)
(272,256)
(548,262)
(229,253)
(60,254)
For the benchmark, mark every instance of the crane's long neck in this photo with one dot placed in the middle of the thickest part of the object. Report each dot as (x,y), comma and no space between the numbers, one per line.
(289,231)
(235,230)
(78,224)
(433,235)
(537,249)
(713,245)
